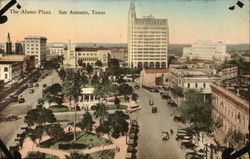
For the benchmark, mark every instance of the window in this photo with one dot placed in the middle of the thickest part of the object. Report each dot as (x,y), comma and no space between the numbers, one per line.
(5,69)
(196,85)
(204,85)
(6,76)
(188,85)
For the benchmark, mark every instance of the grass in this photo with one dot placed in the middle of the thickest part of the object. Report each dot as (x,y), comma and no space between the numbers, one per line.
(33,154)
(59,108)
(122,100)
(88,139)
(112,107)
(105,154)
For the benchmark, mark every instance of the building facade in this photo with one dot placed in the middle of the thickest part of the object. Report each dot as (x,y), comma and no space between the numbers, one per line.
(86,55)
(36,46)
(148,40)
(10,71)
(154,77)
(205,50)
(57,50)
(231,117)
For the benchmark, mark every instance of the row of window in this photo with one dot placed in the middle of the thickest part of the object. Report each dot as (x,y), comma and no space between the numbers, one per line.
(149,32)
(149,59)
(149,28)
(149,56)
(196,85)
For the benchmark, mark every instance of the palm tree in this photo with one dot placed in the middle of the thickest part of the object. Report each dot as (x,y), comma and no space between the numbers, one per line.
(71,88)
(101,112)
(87,122)
(99,91)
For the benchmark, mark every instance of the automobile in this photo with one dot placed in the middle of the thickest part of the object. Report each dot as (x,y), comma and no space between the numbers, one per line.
(179,118)
(154,110)
(153,90)
(44,85)
(136,86)
(193,155)
(151,102)
(21,100)
(187,145)
(164,96)
(31,91)
(34,80)
(36,85)
(11,118)
(43,77)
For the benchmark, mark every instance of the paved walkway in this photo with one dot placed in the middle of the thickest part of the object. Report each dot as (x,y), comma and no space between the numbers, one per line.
(120,142)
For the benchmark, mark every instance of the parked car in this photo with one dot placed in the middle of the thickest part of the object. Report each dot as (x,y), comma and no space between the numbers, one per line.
(21,100)
(193,155)
(11,118)
(187,145)
(179,118)
(44,85)
(154,110)
(36,85)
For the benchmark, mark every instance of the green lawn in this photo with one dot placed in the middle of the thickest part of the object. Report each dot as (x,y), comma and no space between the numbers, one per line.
(122,100)
(112,107)
(59,108)
(84,140)
(105,154)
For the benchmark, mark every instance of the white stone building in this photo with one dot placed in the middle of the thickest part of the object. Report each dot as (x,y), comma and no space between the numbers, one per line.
(230,114)
(205,50)
(10,71)
(57,50)
(90,55)
(148,40)
(36,46)
(70,56)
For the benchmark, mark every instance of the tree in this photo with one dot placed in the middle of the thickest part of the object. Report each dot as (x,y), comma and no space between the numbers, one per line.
(125,90)
(55,131)
(62,73)
(101,112)
(118,123)
(95,80)
(120,80)
(177,91)
(35,133)
(197,111)
(87,122)
(58,100)
(99,91)
(104,128)
(72,89)
(39,117)
(134,96)
(98,63)
(117,102)
(89,69)
(49,98)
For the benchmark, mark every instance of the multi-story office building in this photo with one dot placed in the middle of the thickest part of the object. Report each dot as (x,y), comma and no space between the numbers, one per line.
(205,50)
(231,117)
(91,55)
(148,40)
(36,46)
(57,50)
(10,70)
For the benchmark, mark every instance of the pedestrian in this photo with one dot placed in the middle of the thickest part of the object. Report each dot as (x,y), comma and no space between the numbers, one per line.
(171,131)
(69,129)
(118,149)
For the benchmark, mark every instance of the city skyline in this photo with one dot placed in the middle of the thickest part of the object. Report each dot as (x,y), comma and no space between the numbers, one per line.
(189,21)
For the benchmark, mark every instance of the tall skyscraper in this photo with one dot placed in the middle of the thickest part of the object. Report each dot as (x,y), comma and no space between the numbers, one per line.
(36,46)
(148,40)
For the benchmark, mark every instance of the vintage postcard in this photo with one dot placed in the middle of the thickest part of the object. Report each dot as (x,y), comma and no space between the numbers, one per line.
(124,79)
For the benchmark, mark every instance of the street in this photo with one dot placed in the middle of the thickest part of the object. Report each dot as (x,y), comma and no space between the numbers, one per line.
(9,129)
(150,144)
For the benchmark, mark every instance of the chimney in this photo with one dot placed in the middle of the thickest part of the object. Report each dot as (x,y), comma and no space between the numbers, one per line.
(8,38)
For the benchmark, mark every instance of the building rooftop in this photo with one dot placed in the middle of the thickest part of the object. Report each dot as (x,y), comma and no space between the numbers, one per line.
(8,62)
(35,37)
(157,70)
(200,61)
(91,48)
(231,96)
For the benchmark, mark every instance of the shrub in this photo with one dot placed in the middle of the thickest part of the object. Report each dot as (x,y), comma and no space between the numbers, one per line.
(71,146)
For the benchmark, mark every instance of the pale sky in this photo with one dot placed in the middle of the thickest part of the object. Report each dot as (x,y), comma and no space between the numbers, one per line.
(189,20)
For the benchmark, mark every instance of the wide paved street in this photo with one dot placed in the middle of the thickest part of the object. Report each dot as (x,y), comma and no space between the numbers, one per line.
(150,144)
(9,129)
